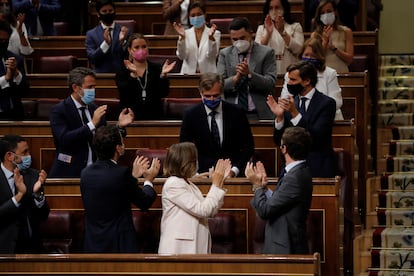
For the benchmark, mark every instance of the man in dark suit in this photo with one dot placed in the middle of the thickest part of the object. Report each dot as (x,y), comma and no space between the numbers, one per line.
(106,43)
(312,110)
(287,209)
(249,71)
(39,15)
(13,83)
(108,191)
(74,121)
(233,138)
(22,202)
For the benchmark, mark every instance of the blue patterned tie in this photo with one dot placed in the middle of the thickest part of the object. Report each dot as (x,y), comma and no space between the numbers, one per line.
(214,128)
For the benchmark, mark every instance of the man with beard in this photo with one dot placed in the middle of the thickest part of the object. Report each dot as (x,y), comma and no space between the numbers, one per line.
(106,43)
(310,109)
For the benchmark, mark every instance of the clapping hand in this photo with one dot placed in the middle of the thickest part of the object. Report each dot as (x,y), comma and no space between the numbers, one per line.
(126,117)
(179,29)
(122,34)
(220,172)
(139,166)
(153,170)
(167,67)
(211,32)
(40,181)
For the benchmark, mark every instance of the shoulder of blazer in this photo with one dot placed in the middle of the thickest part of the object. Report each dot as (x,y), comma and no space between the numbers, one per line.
(195,111)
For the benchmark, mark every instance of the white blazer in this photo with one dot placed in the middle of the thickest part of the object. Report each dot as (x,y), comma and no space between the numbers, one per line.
(205,54)
(184,224)
(285,54)
(328,85)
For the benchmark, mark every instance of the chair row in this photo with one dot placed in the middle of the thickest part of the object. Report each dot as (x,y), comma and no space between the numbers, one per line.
(63,231)
(39,109)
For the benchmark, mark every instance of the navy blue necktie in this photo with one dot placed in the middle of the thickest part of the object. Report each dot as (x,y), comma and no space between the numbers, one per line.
(214,128)
(302,106)
(84,117)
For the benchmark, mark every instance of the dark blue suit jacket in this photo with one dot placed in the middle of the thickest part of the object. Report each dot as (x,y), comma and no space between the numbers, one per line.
(71,138)
(14,237)
(286,212)
(112,60)
(107,193)
(237,142)
(46,13)
(318,120)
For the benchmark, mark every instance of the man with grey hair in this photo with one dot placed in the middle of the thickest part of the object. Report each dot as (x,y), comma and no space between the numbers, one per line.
(220,130)
(74,121)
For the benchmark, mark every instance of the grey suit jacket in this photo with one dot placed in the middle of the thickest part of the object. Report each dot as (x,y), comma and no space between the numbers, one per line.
(286,212)
(262,66)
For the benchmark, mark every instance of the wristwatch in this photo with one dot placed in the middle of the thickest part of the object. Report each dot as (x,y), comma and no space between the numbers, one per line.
(39,196)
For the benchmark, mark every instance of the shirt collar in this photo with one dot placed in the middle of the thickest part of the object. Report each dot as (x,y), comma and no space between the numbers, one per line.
(309,95)
(6,171)
(293,164)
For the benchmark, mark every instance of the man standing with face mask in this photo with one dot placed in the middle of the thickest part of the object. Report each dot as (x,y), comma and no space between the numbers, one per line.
(249,71)
(22,202)
(310,109)
(220,130)
(74,121)
(106,43)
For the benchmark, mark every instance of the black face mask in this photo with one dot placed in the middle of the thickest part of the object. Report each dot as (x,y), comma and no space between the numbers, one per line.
(107,18)
(3,47)
(295,89)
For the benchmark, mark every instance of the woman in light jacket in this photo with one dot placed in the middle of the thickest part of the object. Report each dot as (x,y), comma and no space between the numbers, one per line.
(280,33)
(184,224)
(199,45)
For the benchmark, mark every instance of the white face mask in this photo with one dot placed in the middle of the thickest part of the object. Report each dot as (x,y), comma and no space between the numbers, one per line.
(241,45)
(328,18)
(275,13)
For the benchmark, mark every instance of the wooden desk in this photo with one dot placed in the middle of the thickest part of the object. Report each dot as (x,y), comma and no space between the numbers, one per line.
(153,264)
(64,194)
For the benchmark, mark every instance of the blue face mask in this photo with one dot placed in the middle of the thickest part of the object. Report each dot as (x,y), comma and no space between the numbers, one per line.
(197,21)
(88,95)
(26,162)
(212,104)
(314,61)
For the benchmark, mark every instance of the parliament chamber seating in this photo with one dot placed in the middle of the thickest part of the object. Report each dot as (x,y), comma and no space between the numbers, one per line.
(61,28)
(160,59)
(57,232)
(222,24)
(174,108)
(63,231)
(55,64)
(152,153)
(131,24)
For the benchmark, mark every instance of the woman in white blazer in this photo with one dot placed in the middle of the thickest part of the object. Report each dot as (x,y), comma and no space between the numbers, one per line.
(198,46)
(327,76)
(184,225)
(280,33)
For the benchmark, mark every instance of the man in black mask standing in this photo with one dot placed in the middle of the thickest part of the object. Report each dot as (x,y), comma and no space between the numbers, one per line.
(107,42)
(13,83)
(310,109)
